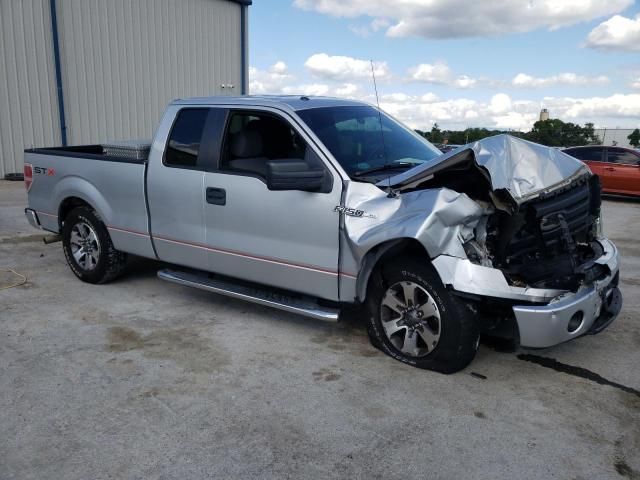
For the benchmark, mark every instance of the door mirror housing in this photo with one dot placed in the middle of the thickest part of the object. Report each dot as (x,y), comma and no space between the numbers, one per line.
(294,175)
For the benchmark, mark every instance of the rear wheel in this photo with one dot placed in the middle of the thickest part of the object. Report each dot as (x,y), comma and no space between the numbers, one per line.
(88,248)
(414,319)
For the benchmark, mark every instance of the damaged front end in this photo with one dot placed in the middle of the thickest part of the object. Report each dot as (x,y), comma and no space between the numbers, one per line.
(511,224)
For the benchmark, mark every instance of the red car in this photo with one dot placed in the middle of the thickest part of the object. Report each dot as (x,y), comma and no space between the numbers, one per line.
(617,167)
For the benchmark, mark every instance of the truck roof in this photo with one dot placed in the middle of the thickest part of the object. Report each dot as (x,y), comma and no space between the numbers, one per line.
(293,102)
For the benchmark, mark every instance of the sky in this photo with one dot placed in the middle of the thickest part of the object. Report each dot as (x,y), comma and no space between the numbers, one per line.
(458,63)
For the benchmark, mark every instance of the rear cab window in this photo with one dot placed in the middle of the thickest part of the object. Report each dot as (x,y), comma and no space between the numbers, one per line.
(194,140)
(183,145)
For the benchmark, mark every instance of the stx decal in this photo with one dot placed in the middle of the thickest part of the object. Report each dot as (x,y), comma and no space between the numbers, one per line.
(50,172)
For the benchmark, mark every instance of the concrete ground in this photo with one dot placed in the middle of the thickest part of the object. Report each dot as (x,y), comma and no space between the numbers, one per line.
(144,379)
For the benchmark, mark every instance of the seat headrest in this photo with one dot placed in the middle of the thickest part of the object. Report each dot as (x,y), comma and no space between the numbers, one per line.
(246,144)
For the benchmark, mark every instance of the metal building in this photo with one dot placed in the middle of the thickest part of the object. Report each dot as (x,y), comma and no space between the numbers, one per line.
(614,136)
(88,71)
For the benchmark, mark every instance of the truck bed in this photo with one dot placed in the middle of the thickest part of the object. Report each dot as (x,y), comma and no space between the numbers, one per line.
(114,186)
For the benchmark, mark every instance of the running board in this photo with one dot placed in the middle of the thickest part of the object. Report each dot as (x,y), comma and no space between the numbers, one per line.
(301,306)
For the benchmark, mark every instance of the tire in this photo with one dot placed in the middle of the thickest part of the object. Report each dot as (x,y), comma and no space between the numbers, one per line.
(88,248)
(438,331)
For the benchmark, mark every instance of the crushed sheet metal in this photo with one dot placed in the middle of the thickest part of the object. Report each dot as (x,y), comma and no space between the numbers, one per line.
(468,277)
(521,167)
(440,219)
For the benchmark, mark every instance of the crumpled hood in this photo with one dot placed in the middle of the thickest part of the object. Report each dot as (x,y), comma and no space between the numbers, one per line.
(521,167)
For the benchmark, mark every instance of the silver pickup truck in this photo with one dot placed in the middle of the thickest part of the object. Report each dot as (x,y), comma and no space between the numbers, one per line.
(311,204)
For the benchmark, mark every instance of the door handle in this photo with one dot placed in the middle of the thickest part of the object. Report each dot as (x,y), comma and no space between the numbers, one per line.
(216,196)
(610,169)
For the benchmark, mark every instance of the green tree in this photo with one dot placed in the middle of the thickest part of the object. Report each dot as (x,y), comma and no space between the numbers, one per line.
(435,136)
(556,133)
(634,138)
(590,133)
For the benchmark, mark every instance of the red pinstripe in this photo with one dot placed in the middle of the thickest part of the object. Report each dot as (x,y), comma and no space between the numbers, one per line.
(234,252)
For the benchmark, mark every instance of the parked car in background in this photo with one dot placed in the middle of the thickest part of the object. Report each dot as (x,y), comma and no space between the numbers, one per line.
(617,167)
(446,147)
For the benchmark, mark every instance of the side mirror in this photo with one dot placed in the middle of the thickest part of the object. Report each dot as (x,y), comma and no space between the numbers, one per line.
(294,175)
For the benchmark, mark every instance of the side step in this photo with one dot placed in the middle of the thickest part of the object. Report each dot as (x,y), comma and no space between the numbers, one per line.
(302,306)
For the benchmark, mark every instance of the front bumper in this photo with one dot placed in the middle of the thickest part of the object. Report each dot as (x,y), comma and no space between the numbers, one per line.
(549,321)
(589,310)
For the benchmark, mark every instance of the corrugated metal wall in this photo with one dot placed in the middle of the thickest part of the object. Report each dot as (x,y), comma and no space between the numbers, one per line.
(122,61)
(28,102)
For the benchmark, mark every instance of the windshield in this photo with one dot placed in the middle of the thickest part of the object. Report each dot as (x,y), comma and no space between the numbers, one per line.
(354,137)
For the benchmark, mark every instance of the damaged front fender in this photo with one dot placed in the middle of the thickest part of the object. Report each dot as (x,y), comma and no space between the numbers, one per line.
(441,220)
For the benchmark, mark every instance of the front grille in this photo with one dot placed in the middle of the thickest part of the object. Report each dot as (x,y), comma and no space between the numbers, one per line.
(549,237)
(576,207)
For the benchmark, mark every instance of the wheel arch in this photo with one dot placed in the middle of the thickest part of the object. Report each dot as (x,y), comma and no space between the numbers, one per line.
(68,204)
(382,253)
(73,192)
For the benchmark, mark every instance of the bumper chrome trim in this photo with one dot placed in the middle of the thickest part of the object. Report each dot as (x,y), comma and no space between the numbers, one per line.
(32,218)
(548,325)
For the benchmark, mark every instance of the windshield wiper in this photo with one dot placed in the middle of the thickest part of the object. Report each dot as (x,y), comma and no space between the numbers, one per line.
(382,168)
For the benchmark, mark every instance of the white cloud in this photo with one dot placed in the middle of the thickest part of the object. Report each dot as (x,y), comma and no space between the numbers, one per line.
(464,81)
(347,90)
(279,68)
(270,81)
(460,113)
(527,81)
(344,68)
(635,84)
(500,103)
(439,73)
(379,23)
(319,89)
(431,73)
(277,80)
(366,31)
(617,106)
(503,112)
(515,121)
(429,98)
(423,109)
(460,18)
(362,31)
(617,33)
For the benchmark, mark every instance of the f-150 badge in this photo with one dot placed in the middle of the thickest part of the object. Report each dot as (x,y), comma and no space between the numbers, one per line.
(352,212)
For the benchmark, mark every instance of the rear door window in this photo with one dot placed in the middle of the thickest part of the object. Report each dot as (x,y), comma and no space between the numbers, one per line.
(622,156)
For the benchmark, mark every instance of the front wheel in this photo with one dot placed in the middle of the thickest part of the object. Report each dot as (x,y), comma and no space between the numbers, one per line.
(88,248)
(414,319)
